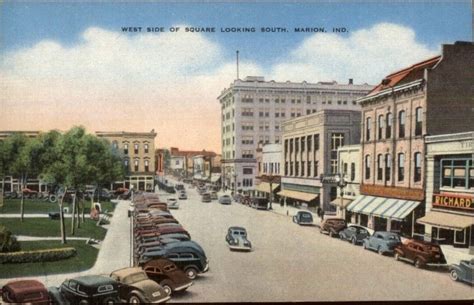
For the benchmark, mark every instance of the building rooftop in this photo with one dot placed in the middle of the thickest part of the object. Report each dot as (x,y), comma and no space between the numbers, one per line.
(125,133)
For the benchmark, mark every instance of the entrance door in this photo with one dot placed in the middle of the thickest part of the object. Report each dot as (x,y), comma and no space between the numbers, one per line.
(141,185)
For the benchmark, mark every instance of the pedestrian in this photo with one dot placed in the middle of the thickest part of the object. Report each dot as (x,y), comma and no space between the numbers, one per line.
(318,211)
(322,214)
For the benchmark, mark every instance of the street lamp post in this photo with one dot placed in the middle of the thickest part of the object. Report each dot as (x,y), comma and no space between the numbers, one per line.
(341,183)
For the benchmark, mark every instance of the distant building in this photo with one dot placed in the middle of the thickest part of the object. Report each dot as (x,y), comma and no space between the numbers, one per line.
(183,164)
(253,111)
(310,147)
(431,97)
(269,170)
(138,152)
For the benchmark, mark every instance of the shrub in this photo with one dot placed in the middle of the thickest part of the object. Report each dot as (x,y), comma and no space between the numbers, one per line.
(8,242)
(48,255)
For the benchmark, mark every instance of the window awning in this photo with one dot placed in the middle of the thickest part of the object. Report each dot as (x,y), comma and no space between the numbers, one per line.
(391,208)
(215,177)
(265,187)
(298,195)
(446,220)
(345,202)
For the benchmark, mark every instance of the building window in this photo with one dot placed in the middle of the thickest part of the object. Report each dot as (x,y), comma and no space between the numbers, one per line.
(353,169)
(316,142)
(249,170)
(367,167)
(125,163)
(135,148)
(297,169)
(344,168)
(388,128)
(337,140)
(125,149)
(368,126)
(291,146)
(291,168)
(147,166)
(286,168)
(308,140)
(316,169)
(379,167)
(401,166)
(135,165)
(303,144)
(457,173)
(285,147)
(418,121)
(297,145)
(302,168)
(388,167)
(146,148)
(417,173)
(401,124)
(308,170)
(380,123)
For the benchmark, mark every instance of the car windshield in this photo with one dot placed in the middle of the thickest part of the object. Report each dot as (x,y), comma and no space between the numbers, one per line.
(306,215)
(135,277)
(393,237)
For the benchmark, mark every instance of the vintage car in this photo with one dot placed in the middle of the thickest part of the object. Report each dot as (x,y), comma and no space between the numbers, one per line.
(332,226)
(182,196)
(303,218)
(382,242)
(135,287)
(236,239)
(88,289)
(354,234)
(206,197)
(225,199)
(172,203)
(187,255)
(258,203)
(167,274)
(464,272)
(25,292)
(420,253)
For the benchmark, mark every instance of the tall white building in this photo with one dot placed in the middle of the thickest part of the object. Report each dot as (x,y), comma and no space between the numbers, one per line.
(253,109)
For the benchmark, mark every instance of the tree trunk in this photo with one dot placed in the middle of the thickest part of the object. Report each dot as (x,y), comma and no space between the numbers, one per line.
(22,201)
(78,214)
(61,215)
(83,211)
(73,216)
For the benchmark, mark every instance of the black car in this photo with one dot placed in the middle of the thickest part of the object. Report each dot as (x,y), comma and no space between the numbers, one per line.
(354,234)
(88,289)
(303,218)
(187,255)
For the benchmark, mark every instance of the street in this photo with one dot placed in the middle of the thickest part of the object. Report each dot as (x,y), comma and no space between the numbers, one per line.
(293,263)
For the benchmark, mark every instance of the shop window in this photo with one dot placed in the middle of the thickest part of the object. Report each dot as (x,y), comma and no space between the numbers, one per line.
(401,166)
(146,148)
(367,167)
(457,173)
(379,167)
(147,166)
(135,148)
(388,128)
(135,163)
(418,121)
(388,167)
(417,173)
(401,124)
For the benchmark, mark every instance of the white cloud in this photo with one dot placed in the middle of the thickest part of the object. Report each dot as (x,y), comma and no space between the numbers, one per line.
(366,55)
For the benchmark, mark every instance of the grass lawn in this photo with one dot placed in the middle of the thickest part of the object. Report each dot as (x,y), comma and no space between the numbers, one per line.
(83,260)
(47,227)
(35,206)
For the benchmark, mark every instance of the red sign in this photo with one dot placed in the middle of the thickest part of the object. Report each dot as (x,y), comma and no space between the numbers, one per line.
(453,201)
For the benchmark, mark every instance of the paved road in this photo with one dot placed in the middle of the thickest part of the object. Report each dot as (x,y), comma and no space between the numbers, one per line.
(293,263)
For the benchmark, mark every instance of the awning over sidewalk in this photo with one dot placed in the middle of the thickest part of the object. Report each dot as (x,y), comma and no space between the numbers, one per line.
(298,195)
(391,208)
(215,177)
(265,187)
(446,220)
(345,202)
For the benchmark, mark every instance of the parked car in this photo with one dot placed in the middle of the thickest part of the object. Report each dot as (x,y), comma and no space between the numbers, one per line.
(464,272)
(172,203)
(354,234)
(206,197)
(167,274)
(25,291)
(187,255)
(303,218)
(214,196)
(258,203)
(225,199)
(182,196)
(332,226)
(236,239)
(420,253)
(135,287)
(179,187)
(88,289)
(382,242)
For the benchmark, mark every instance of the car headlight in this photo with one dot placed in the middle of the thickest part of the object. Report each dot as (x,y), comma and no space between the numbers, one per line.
(156,294)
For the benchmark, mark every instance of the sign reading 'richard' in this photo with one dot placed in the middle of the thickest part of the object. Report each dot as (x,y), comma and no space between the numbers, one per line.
(453,201)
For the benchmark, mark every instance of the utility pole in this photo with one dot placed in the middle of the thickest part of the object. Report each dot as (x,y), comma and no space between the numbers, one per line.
(237,53)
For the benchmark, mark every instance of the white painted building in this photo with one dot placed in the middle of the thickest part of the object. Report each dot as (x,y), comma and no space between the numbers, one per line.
(177,163)
(252,111)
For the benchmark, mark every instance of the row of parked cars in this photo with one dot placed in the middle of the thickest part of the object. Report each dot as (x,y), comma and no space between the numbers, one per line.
(420,253)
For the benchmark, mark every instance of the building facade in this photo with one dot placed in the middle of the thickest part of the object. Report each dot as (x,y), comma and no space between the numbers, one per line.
(269,171)
(431,97)
(310,147)
(138,153)
(450,189)
(253,111)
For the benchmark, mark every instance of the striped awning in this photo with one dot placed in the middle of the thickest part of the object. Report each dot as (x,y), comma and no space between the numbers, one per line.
(298,195)
(265,187)
(391,208)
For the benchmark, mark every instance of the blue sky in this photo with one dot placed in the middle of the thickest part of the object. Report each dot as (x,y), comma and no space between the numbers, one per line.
(435,22)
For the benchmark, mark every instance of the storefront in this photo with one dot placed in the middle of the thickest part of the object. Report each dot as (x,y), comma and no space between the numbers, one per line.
(263,189)
(384,214)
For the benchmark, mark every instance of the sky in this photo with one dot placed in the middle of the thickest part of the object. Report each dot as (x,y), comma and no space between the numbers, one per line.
(70,63)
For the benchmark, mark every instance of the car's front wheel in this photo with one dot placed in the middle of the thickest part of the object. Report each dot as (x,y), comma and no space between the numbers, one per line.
(380,251)
(134,299)
(418,263)
(191,272)
(167,287)
(453,274)
(331,233)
